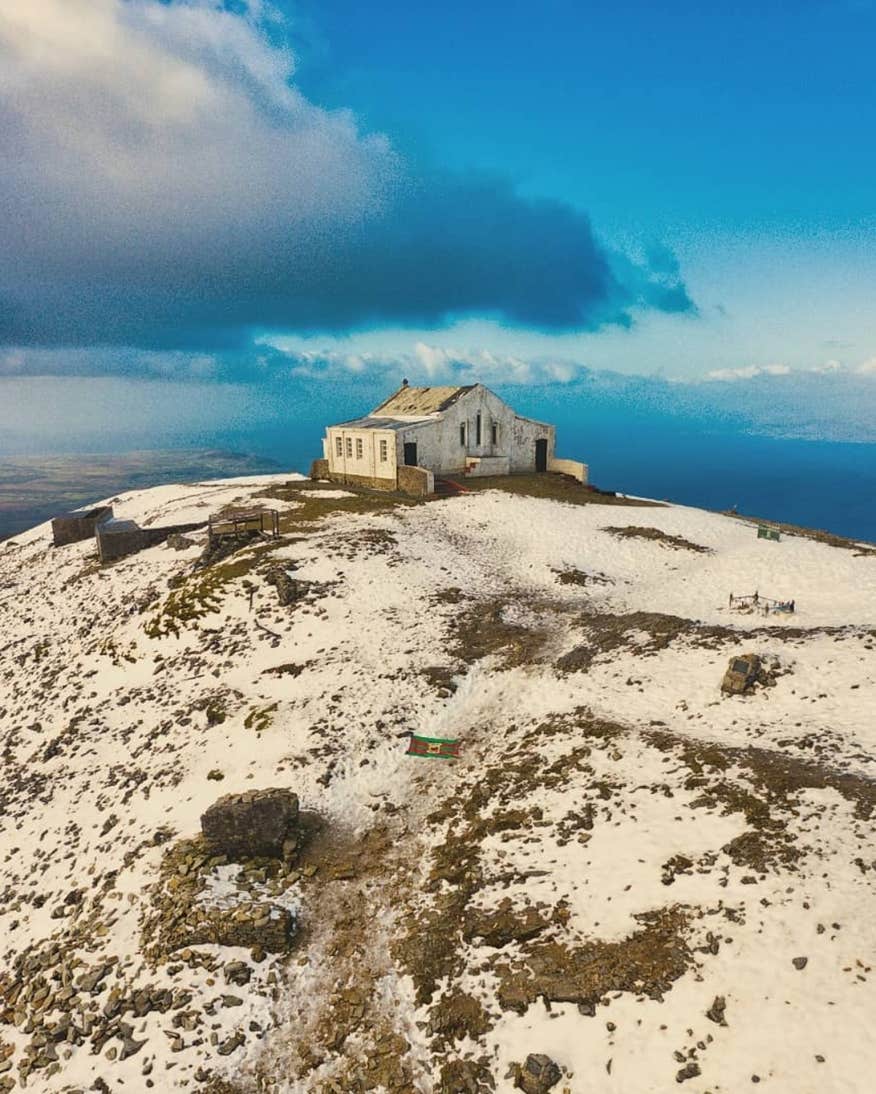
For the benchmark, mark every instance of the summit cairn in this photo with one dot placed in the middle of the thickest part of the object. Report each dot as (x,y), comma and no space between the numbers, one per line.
(257,824)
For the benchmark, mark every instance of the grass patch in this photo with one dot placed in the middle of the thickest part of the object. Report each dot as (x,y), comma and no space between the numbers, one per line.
(200,593)
(552,486)
(315,502)
(677,543)
(260,718)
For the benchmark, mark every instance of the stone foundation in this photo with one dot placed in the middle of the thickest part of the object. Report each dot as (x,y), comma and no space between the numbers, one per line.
(368,481)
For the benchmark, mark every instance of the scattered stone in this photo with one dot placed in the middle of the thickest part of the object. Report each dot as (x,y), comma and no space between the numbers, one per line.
(538,1075)
(499,926)
(238,972)
(800,962)
(231,1044)
(715,1013)
(690,1071)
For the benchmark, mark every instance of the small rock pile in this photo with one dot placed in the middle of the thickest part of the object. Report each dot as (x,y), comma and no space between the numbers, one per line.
(289,589)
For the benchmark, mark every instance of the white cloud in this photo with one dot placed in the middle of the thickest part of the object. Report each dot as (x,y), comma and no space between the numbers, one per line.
(867,368)
(748,372)
(166,184)
(170,133)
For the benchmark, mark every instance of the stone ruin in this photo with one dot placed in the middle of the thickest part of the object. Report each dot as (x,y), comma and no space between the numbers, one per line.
(119,538)
(257,824)
(78,525)
(115,538)
(258,831)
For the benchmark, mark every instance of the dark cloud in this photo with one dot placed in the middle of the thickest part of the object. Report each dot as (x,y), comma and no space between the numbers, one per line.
(167,187)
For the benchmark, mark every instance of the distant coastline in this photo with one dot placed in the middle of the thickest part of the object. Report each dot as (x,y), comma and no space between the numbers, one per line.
(35,488)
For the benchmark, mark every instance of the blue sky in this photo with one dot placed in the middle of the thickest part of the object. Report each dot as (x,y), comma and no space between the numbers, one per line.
(736,134)
(252,192)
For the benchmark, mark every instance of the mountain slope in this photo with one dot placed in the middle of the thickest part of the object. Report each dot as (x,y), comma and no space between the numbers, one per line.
(624,870)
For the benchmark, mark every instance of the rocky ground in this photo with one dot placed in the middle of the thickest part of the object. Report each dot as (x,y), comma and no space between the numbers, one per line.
(627,881)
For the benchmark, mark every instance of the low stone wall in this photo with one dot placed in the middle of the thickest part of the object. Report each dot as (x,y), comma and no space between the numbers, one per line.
(575,468)
(246,924)
(361,480)
(78,525)
(117,540)
(319,469)
(416,481)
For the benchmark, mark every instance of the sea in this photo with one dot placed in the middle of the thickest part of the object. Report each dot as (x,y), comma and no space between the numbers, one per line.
(828,485)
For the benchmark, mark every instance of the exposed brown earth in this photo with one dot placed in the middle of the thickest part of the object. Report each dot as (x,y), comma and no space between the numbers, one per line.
(678,543)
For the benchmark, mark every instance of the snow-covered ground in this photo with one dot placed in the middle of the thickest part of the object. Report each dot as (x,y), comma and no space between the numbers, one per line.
(618,846)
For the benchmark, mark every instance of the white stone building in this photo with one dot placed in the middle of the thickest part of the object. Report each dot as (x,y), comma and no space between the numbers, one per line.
(444,431)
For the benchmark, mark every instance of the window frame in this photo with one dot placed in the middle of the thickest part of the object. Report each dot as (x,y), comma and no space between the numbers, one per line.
(349,447)
(360,449)
(339,446)
(384,450)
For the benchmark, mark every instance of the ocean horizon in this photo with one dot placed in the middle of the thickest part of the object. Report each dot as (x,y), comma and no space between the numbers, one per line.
(820,484)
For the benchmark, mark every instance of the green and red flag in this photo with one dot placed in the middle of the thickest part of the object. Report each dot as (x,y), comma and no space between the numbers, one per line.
(435,748)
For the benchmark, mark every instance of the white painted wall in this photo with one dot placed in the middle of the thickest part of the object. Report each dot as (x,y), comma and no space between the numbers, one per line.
(360,452)
(439,442)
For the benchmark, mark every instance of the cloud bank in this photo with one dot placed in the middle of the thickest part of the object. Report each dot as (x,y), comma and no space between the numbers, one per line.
(166,185)
(279,380)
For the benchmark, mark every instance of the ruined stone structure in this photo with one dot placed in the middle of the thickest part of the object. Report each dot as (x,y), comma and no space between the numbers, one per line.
(118,538)
(257,823)
(78,525)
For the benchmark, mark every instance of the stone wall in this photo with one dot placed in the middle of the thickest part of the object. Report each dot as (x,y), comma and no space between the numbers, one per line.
(117,540)
(78,525)
(247,924)
(319,469)
(418,482)
(362,480)
(575,468)
(257,823)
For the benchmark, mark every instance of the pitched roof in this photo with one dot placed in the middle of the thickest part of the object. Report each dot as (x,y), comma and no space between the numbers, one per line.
(415,401)
(370,422)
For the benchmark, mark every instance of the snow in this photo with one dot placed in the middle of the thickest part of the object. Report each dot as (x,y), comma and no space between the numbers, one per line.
(124,705)
(330,493)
